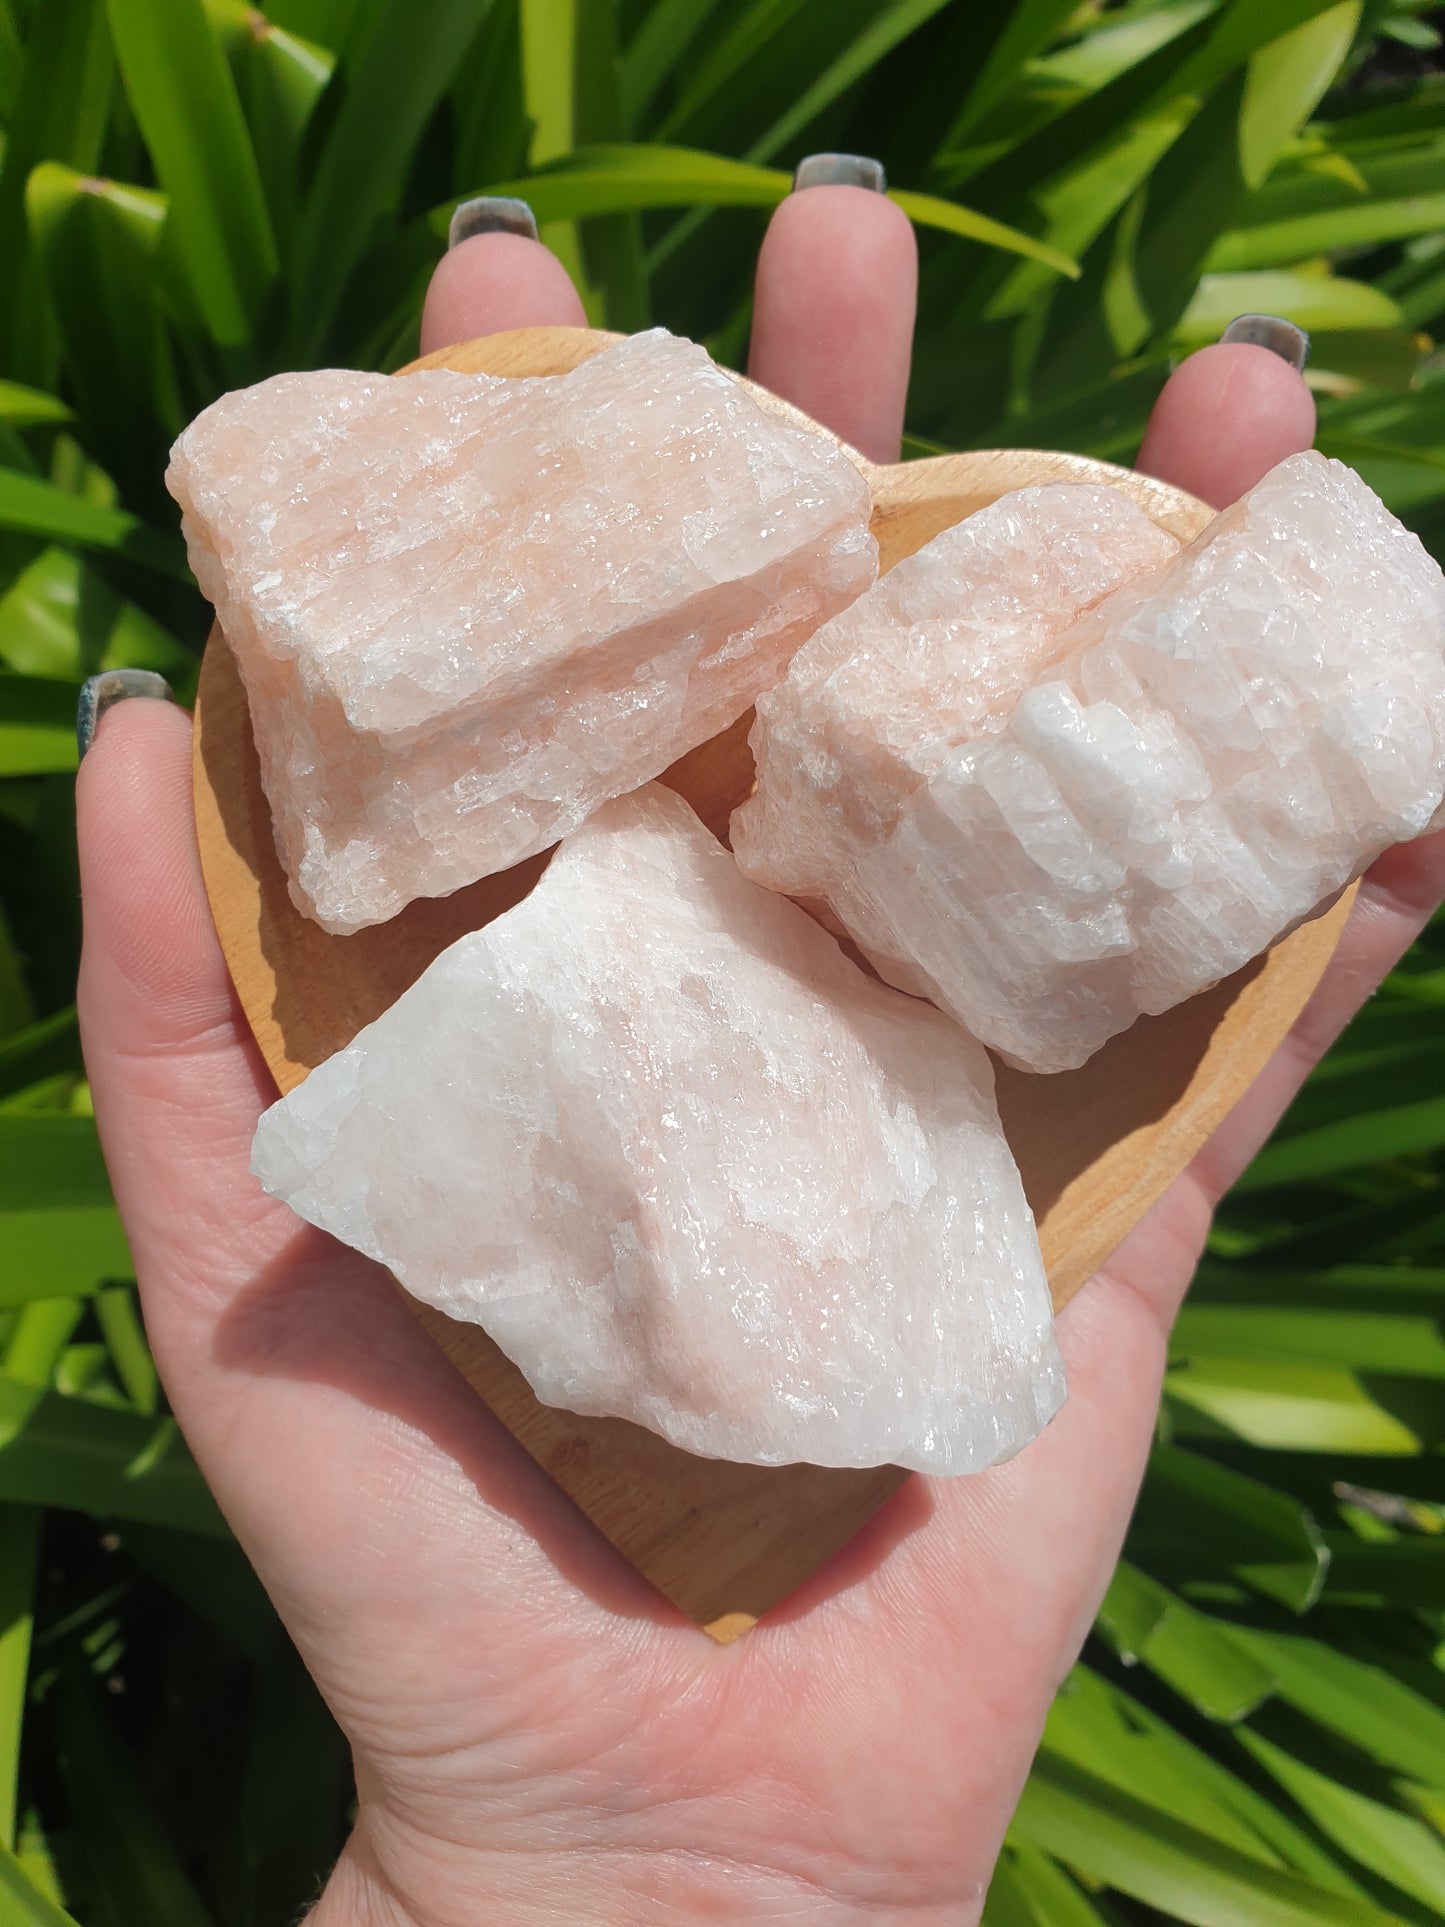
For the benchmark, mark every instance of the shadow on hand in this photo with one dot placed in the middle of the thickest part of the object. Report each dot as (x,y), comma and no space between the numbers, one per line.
(724,1543)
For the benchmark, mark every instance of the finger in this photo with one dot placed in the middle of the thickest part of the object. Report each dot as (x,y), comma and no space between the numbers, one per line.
(495,275)
(1226,416)
(834,304)
(286,1357)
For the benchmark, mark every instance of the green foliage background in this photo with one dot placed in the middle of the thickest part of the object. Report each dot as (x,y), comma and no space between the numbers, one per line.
(193,195)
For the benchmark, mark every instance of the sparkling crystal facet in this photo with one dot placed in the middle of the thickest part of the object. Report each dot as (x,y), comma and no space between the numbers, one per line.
(1052,826)
(468,610)
(688,1165)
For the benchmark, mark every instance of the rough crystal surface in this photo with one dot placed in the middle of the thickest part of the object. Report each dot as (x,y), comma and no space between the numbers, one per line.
(1174,780)
(689,1166)
(469,609)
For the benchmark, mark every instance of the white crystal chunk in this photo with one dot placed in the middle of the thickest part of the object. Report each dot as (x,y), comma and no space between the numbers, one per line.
(689,1166)
(1131,800)
(467,610)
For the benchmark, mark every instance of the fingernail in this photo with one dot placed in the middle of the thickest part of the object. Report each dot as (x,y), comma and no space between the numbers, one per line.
(491,214)
(839,170)
(1271,331)
(103,692)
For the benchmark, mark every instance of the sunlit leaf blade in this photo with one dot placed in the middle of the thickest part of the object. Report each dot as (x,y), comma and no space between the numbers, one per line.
(1111,1837)
(34,507)
(1396,1846)
(1285,81)
(24,407)
(19,1544)
(612,179)
(1199,1659)
(1313,301)
(59,115)
(75,1250)
(184,98)
(395,82)
(1307,235)
(64,1451)
(21,1903)
(60,619)
(1364,1704)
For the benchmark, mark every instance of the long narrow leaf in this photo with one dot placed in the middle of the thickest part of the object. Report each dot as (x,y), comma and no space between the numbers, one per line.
(401,73)
(183,96)
(610,180)
(1110,1837)
(35,507)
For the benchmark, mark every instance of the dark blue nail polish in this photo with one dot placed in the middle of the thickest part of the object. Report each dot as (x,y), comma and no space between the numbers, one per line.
(491,214)
(839,170)
(111,686)
(1271,331)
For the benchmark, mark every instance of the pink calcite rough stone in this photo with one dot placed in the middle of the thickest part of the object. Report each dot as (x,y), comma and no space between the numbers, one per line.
(1050,830)
(688,1165)
(468,610)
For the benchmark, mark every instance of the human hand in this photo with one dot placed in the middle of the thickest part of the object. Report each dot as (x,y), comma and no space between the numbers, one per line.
(537,1736)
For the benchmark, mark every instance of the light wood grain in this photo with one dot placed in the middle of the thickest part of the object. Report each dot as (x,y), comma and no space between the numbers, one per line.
(1096,1146)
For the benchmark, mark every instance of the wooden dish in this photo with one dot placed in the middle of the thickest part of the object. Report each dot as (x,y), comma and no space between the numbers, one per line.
(1096,1146)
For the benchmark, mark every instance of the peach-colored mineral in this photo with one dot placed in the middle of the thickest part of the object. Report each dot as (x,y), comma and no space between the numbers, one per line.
(690,1166)
(467,610)
(1052,829)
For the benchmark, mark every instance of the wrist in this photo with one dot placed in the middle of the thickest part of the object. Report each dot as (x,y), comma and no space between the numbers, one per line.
(548,1890)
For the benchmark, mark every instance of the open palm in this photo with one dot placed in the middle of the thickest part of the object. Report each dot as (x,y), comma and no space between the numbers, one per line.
(537,1735)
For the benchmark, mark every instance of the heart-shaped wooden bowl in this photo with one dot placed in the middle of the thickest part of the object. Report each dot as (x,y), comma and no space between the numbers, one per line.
(1096,1146)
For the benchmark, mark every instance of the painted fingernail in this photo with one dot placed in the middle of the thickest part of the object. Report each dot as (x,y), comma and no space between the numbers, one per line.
(491,214)
(1271,331)
(839,170)
(103,692)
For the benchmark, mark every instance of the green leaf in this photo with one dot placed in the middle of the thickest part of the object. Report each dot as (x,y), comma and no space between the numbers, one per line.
(50,1163)
(1275,243)
(21,1903)
(1313,301)
(35,507)
(879,37)
(72,1250)
(610,180)
(1194,1516)
(280,78)
(61,620)
(19,1544)
(658,48)
(1111,1837)
(98,246)
(1100,1728)
(132,1859)
(1308,1408)
(46,1048)
(1396,1846)
(1285,82)
(37,726)
(1407,1572)
(1026,32)
(1363,1703)
(1145,1622)
(400,74)
(1353,1141)
(38,1339)
(94,1458)
(60,115)
(180,89)
(125,1342)
(1411,1347)
(24,407)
